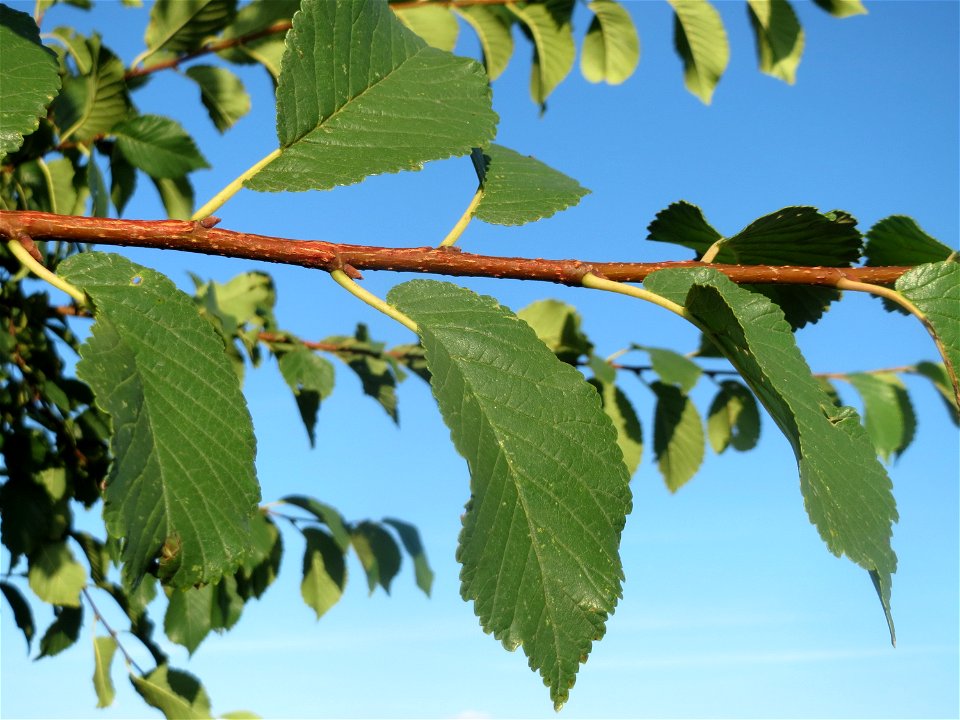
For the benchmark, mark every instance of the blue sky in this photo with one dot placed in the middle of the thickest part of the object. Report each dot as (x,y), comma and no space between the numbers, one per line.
(732,605)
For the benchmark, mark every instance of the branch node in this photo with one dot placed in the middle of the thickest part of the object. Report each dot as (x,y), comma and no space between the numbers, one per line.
(208,222)
(30,246)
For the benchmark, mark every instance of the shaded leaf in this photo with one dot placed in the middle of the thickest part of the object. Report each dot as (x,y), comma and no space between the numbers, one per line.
(888,413)
(842,8)
(252,18)
(377,375)
(620,411)
(177,196)
(493,30)
(733,418)
(263,563)
(434,23)
(548,25)
(55,575)
(935,289)
(682,223)
(30,78)
(182,483)
(123,180)
(310,377)
(178,26)
(325,514)
(611,48)
(159,146)
(359,109)
(187,620)
(518,189)
(324,572)
(90,104)
(701,42)
(549,490)
(22,615)
(96,553)
(100,198)
(678,442)
(937,374)
(899,240)
(779,37)
(175,693)
(672,367)
(378,553)
(76,45)
(410,537)
(558,326)
(222,94)
(103,650)
(63,631)
(846,491)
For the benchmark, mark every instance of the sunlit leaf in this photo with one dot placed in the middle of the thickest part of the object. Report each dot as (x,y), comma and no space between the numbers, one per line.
(842,8)
(548,24)
(310,377)
(678,442)
(175,693)
(55,575)
(178,26)
(187,620)
(378,553)
(888,413)
(103,649)
(434,23)
(325,514)
(90,104)
(779,37)
(672,367)
(492,26)
(611,49)
(558,326)
(899,240)
(159,146)
(617,406)
(324,571)
(701,41)
(733,418)
(222,94)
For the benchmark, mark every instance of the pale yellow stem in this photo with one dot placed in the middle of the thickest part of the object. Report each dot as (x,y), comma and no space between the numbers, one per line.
(464,220)
(31,263)
(344,281)
(234,187)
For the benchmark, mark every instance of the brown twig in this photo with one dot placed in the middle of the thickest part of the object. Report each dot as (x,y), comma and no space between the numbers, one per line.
(193,237)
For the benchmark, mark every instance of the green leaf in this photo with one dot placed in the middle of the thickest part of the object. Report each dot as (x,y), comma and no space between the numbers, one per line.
(56,576)
(549,490)
(779,37)
(177,196)
(324,572)
(222,94)
(30,78)
(182,483)
(888,413)
(159,146)
(678,442)
(935,290)
(103,650)
(187,620)
(701,42)
(175,693)
(99,197)
(682,223)
(89,105)
(434,23)
(410,537)
(365,358)
(611,48)
(937,374)
(629,433)
(842,8)
(355,87)
(733,418)
(493,30)
(178,26)
(67,196)
(96,553)
(63,632)
(123,180)
(311,379)
(76,45)
(548,24)
(378,553)
(518,189)
(325,514)
(846,491)
(254,17)
(899,240)
(263,563)
(22,614)
(672,367)
(558,326)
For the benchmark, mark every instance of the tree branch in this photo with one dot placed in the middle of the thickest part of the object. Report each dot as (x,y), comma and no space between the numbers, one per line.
(196,237)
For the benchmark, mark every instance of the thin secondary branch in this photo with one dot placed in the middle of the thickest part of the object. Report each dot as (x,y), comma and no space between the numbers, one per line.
(344,281)
(34,265)
(113,633)
(194,237)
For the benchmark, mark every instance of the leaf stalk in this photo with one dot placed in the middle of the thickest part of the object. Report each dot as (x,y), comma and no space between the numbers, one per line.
(351,286)
(37,268)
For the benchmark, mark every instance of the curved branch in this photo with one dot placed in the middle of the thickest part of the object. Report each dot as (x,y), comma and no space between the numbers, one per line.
(195,237)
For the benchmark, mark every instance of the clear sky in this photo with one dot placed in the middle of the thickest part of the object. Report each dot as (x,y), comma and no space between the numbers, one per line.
(732,605)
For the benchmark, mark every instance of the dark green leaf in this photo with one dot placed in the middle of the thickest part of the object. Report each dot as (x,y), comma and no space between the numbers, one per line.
(22,614)
(90,104)
(30,78)
(182,484)
(355,87)
(103,650)
(76,45)
(178,26)
(410,537)
(175,693)
(123,180)
(558,326)
(100,198)
(222,94)
(937,374)
(701,42)
(227,604)
(846,492)
(842,8)
(683,224)
(678,442)
(378,553)
(611,49)
(899,240)
(159,146)
(888,413)
(96,553)
(55,575)
(187,620)
(325,514)
(263,563)
(779,37)
(324,572)
(310,377)
(63,632)
(518,189)
(177,197)
(493,31)
(548,25)
(672,367)
(366,359)
(629,433)
(434,23)
(733,418)
(252,18)
(935,290)
(549,490)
